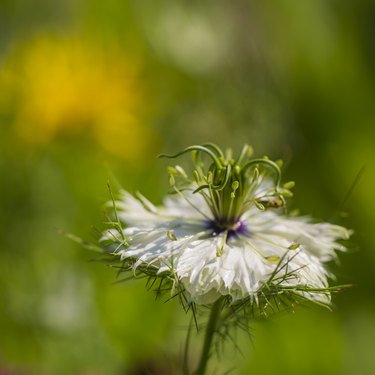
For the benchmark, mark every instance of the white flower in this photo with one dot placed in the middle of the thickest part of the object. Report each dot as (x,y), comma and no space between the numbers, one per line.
(229,237)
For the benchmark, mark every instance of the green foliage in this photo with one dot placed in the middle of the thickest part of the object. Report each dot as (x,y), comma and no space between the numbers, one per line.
(293,78)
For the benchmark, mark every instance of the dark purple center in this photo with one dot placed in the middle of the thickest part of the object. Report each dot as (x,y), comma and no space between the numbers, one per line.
(234,230)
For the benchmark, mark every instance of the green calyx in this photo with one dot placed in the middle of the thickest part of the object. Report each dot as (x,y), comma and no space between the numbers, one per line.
(230,186)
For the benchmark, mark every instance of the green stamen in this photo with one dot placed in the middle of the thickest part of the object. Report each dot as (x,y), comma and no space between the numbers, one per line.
(194,148)
(230,186)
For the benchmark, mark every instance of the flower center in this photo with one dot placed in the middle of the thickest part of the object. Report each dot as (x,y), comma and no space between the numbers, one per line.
(232,229)
(229,186)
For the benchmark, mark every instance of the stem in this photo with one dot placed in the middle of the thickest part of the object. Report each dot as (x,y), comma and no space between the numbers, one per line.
(209,334)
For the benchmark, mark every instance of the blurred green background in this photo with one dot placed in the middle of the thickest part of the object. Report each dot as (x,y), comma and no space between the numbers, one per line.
(93,89)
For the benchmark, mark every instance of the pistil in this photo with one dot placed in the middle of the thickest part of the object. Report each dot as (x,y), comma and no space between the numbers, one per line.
(235,229)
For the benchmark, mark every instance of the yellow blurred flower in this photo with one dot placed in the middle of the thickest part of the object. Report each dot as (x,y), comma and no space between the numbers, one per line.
(71,87)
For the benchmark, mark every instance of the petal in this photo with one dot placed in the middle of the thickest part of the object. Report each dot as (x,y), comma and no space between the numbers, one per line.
(319,239)
(140,212)
(297,267)
(238,272)
(131,211)
(189,206)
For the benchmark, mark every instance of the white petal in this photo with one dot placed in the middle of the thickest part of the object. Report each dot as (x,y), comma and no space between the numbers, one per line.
(319,239)
(133,211)
(238,272)
(177,206)
(296,267)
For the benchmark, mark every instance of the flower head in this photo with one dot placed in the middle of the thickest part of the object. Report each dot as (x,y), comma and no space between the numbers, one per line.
(224,232)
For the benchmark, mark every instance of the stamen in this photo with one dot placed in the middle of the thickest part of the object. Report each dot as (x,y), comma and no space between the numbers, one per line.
(229,186)
(194,148)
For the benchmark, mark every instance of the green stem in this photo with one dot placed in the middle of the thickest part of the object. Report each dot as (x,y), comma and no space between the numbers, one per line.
(209,334)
